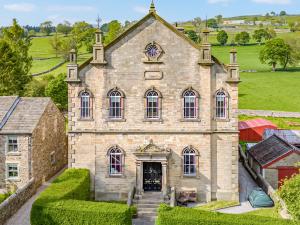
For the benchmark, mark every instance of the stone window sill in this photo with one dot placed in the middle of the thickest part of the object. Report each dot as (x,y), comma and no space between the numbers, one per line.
(221,120)
(115,176)
(13,179)
(190,120)
(13,154)
(152,62)
(190,176)
(115,120)
(153,120)
(85,120)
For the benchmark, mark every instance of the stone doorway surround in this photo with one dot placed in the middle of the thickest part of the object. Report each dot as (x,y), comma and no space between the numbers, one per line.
(151,153)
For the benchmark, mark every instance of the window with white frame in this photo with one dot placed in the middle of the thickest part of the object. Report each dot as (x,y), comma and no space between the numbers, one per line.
(189,162)
(115,105)
(221,105)
(190,105)
(12,170)
(12,144)
(85,105)
(115,161)
(152,111)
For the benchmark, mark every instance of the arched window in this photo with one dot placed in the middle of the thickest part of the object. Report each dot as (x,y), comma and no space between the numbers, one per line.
(115,155)
(221,105)
(115,105)
(189,162)
(190,104)
(152,105)
(85,105)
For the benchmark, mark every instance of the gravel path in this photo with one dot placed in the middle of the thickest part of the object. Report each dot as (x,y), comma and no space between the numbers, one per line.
(22,216)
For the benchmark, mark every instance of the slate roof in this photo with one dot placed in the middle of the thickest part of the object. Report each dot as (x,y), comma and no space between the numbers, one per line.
(255,123)
(25,115)
(291,136)
(271,149)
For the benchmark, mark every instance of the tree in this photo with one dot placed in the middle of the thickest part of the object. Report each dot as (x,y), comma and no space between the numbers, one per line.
(57,89)
(222,37)
(193,36)
(271,33)
(268,16)
(254,20)
(242,38)
(46,27)
(64,28)
(273,13)
(219,19)
(65,47)
(197,24)
(114,30)
(275,52)
(37,87)
(82,33)
(15,60)
(212,23)
(31,33)
(55,43)
(259,35)
(283,13)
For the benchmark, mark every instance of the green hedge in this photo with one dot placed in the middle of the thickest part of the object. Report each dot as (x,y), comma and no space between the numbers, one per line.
(2,198)
(290,193)
(184,216)
(65,202)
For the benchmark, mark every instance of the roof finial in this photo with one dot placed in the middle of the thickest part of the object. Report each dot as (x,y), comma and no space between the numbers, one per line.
(152,8)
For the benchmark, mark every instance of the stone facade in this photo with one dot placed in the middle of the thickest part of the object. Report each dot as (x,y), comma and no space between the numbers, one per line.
(163,140)
(41,146)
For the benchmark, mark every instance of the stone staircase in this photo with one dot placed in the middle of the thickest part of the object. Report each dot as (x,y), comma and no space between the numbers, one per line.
(147,206)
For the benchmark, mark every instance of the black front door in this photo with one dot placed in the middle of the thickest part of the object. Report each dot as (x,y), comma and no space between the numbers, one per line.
(152,176)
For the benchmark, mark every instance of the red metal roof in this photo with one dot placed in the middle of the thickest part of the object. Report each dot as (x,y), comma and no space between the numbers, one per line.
(255,123)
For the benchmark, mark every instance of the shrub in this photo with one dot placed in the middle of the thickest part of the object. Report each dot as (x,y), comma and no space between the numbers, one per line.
(290,193)
(183,216)
(65,202)
(2,198)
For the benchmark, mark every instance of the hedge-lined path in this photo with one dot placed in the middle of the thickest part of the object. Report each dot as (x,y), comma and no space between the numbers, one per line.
(22,216)
(246,186)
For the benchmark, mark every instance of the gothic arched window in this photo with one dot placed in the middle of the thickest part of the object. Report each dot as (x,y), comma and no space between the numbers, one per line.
(221,105)
(190,104)
(116,104)
(116,161)
(85,105)
(153,104)
(189,162)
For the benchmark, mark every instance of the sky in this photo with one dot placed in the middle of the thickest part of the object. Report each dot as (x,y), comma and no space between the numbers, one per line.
(33,12)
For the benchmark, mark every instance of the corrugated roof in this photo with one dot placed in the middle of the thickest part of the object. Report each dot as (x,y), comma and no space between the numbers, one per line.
(270,150)
(291,136)
(25,116)
(255,123)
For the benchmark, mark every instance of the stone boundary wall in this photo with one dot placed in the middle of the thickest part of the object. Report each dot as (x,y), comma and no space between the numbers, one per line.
(12,204)
(266,113)
(283,211)
(48,71)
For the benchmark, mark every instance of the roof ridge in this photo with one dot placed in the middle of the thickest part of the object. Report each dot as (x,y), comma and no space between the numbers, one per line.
(9,112)
(285,142)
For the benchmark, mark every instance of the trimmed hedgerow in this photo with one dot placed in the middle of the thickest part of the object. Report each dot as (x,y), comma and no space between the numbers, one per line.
(65,202)
(183,216)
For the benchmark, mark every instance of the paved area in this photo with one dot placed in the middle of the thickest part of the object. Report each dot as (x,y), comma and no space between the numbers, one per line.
(22,216)
(246,185)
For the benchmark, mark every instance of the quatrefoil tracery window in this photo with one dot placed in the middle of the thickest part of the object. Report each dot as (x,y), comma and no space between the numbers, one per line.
(153,51)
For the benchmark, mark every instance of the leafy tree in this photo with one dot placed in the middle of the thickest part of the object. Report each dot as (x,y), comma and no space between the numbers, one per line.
(212,23)
(55,43)
(259,35)
(57,89)
(271,33)
(222,37)
(254,20)
(31,33)
(193,36)
(242,38)
(64,28)
(37,87)
(15,61)
(82,32)
(65,47)
(46,27)
(283,13)
(104,27)
(219,19)
(273,13)
(114,30)
(275,52)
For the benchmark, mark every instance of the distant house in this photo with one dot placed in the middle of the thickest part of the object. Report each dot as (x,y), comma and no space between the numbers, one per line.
(253,130)
(32,140)
(291,136)
(275,159)
(233,22)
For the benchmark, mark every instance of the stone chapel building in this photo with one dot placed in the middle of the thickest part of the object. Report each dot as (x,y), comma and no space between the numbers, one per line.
(154,110)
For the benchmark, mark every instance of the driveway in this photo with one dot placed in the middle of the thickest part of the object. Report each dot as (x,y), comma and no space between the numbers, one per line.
(22,216)
(246,185)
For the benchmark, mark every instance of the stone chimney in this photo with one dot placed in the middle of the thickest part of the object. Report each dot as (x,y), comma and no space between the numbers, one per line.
(233,68)
(205,52)
(72,73)
(98,49)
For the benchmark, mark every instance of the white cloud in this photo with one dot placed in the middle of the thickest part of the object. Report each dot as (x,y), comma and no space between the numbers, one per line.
(141,9)
(274,2)
(20,7)
(71,8)
(218,1)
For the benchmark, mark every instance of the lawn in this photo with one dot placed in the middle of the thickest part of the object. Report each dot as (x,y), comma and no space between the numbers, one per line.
(271,212)
(211,206)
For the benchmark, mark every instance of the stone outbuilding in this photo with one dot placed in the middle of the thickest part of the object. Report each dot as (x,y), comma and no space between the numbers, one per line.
(275,159)
(155,111)
(33,141)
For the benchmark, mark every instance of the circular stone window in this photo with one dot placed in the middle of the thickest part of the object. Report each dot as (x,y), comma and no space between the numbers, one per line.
(153,51)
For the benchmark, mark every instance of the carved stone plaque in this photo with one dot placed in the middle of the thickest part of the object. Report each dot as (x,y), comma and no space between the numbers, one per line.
(153,75)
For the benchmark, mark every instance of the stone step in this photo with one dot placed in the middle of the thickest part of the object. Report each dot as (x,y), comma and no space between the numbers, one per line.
(145,214)
(147,205)
(147,210)
(149,201)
